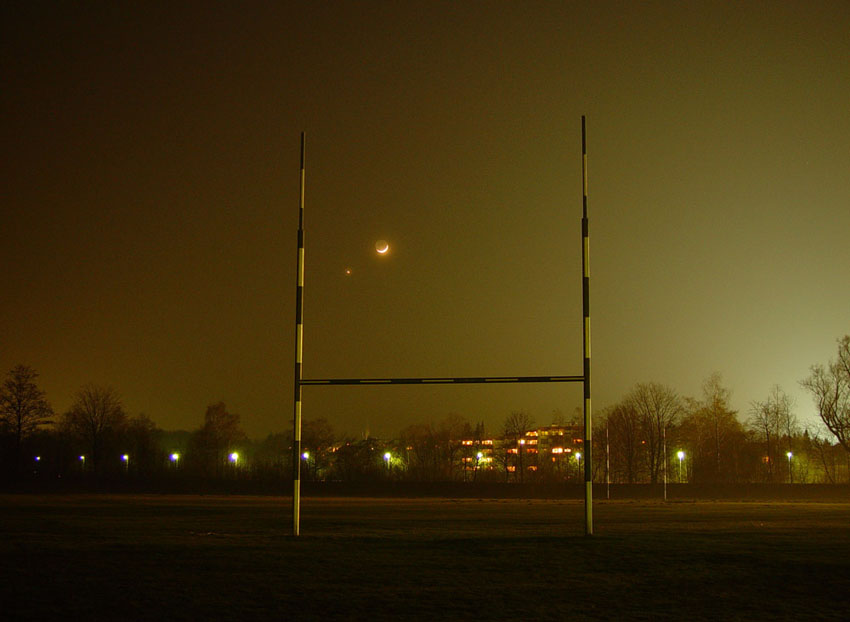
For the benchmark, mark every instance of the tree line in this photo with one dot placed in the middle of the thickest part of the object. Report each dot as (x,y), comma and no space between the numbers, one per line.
(652,433)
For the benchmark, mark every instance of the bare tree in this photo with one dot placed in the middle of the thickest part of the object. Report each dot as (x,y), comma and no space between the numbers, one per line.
(713,433)
(216,438)
(23,408)
(769,420)
(715,404)
(821,447)
(317,439)
(142,440)
(830,388)
(624,439)
(658,407)
(514,429)
(96,417)
(451,431)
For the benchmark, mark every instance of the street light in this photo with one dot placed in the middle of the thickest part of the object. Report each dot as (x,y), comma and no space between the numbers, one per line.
(234,457)
(306,455)
(681,456)
(175,458)
(790,472)
(126,460)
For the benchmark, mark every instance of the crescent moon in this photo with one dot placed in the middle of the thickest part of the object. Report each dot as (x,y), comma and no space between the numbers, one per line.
(382,247)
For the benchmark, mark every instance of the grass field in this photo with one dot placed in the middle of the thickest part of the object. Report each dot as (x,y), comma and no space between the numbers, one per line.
(97,557)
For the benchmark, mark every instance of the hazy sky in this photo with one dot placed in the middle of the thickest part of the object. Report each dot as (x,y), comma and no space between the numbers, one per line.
(150,197)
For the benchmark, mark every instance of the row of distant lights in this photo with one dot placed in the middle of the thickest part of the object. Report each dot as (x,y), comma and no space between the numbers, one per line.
(387,456)
(234,457)
(126,458)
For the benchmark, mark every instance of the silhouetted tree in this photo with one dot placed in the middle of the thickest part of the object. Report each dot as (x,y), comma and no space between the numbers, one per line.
(317,439)
(216,439)
(420,452)
(712,434)
(359,461)
(516,425)
(96,418)
(658,407)
(768,420)
(824,453)
(830,388)
(142,443)
(624,441)
(23,407)
(451,431)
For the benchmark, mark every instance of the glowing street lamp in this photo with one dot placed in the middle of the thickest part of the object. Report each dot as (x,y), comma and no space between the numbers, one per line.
(306,455)
(38,458)
(234,457)
(126,459)
(790,472)
(681,456)
(175,458)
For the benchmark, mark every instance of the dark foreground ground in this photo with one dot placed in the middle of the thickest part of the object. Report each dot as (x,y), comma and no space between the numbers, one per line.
(126,557)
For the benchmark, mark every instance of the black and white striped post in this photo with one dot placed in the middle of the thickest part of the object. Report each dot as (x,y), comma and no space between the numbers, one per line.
(585,288)
(299,348)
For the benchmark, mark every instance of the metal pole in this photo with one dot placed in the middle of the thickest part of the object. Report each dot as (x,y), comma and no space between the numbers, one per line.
(299,334)
(664,449)
(585,264)
(607,464)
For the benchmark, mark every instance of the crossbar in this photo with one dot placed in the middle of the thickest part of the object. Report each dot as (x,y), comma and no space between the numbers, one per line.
(470,380)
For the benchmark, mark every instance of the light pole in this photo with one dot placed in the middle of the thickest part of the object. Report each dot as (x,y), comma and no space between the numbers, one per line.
(607,464)
(681,456)
(664,453)
(790,472)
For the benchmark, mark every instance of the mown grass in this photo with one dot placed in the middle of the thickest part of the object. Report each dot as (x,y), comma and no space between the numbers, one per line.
(196,557)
